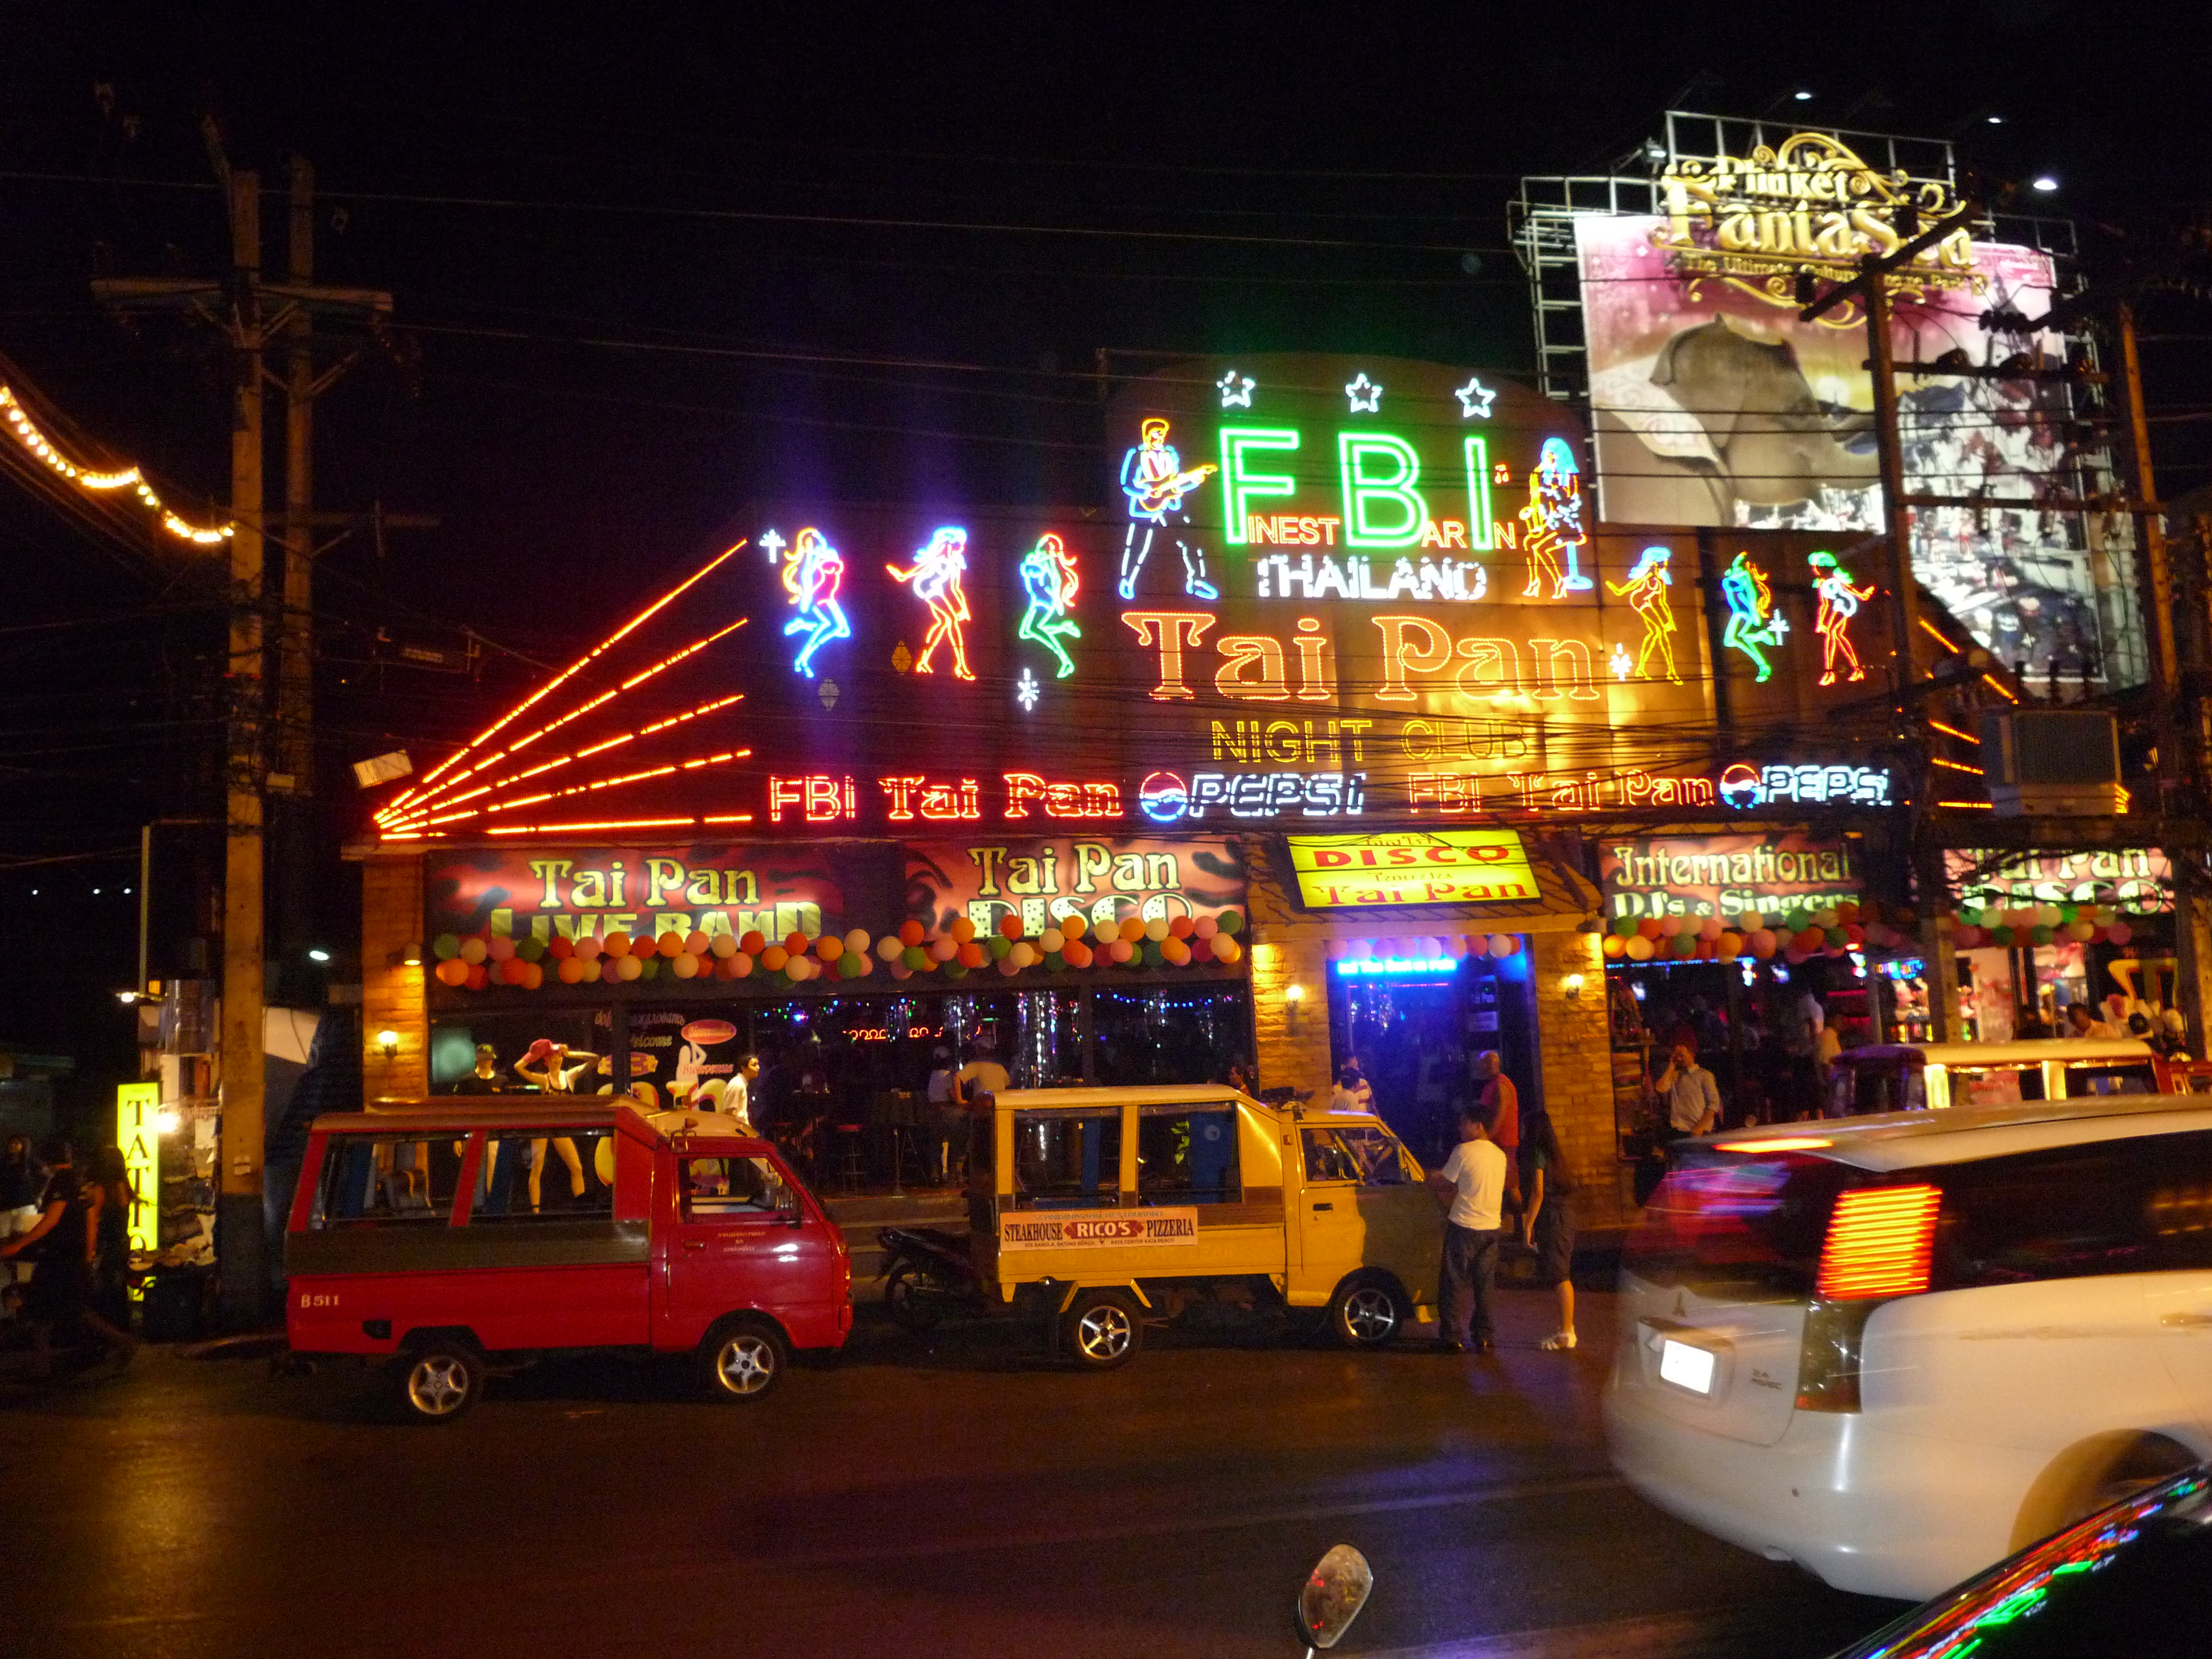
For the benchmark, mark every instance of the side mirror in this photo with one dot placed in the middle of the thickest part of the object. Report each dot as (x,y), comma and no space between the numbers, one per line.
(1332,1595)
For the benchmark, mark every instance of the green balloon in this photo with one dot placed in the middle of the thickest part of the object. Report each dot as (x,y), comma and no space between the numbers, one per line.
(1055,961)
(1152,957)
(1837,937)
(2040,934)
(1000,947)
(444,947)
(649,967)
(532,949)
(1624,926)
(1232,922)
(2001,935)
(914,956)
(955,969)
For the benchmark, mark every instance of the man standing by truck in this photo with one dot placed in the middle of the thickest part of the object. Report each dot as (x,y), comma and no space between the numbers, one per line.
(1472,1186)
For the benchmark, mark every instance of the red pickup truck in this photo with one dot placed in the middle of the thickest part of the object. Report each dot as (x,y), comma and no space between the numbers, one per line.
(443,1233)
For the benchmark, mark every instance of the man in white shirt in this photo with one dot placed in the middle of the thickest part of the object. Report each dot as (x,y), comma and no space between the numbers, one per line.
(1471,1184)
(737,1098)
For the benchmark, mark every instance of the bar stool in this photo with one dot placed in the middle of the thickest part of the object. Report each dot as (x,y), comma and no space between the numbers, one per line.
(850,1167)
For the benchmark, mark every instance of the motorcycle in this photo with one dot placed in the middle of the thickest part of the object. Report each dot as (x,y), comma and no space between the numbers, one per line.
(926,1273)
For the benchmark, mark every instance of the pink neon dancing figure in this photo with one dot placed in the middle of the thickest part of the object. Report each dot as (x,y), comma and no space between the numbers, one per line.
(813,571)
(1839,603)
(935,573)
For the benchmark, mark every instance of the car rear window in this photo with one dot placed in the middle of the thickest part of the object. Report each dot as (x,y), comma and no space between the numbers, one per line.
(1738,1229)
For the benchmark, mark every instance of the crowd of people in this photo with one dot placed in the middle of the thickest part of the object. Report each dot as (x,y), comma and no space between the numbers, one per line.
(65,1250)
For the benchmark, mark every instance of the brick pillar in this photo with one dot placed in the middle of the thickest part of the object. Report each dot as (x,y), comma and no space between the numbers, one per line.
(1293,1036)
(1576,1045)
(391,994)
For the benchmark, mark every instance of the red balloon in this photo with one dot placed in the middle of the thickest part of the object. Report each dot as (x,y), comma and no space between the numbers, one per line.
(912,932)
(1651,928)
(1010,926)
(1180,927)
(477,976)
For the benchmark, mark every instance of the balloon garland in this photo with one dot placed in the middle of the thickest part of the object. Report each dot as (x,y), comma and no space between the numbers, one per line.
(476,962)
(1795,936)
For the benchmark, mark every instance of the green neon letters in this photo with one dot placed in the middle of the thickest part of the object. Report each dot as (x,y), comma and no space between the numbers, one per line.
(1240,485)
(1381,508)
(1481,533)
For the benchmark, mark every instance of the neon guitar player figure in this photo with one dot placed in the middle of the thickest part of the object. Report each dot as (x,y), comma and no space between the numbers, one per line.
(1154,479)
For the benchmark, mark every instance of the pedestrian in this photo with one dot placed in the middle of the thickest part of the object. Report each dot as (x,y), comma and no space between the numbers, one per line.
(21,1180)
(2081,1023)
(1548,1222)
(1826,1046)
(1693,1098)
(737,1097)
(1353,1092)
(944,1114)
(1472,1186)
(60,1247)
(484,1079)
(109,1198)
(1495,1093)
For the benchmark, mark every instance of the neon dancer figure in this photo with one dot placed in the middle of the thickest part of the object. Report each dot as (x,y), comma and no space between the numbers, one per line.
(1555,518)
(1839,603)
(1048,578)
(935,573)
(813,571)
(1645,590)
(1752,620)
(1154,479)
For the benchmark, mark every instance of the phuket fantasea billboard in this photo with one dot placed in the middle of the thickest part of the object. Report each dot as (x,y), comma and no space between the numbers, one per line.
(1713,404)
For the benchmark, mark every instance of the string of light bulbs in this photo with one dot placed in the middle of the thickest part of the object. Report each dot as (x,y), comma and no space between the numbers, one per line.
(98,483)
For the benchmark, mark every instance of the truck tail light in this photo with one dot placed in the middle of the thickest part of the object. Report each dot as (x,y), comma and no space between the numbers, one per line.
(1881,1242)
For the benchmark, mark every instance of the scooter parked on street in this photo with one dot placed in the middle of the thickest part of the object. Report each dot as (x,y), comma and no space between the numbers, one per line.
(926,1274)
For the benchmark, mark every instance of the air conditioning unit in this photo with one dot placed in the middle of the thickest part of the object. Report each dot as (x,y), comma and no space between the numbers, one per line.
(2064,761)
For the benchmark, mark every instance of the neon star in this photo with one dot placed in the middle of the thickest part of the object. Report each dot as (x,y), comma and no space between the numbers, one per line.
(774,544)
(1474,400)
(1236,390)
(1027,690)
(1621,665)
(1366,397)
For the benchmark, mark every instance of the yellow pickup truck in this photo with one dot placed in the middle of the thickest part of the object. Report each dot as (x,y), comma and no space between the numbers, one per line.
(1101,1208)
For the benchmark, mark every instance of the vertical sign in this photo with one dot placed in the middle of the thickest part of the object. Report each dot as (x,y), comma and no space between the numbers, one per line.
(136,1105)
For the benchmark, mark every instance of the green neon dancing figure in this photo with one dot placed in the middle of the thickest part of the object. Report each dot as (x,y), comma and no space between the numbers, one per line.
(1048,578)
(1752,620)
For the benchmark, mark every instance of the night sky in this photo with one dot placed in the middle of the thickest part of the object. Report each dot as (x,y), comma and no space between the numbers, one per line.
(650,267)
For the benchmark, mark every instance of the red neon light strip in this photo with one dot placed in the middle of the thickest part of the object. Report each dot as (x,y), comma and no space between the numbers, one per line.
(692,649)
(730,817)
(611,823)
(577,666)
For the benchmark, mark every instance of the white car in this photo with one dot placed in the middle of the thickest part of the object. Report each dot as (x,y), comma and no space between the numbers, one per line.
(1895,1349)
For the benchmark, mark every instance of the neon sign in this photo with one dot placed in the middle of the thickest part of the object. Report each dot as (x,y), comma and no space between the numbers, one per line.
(1364,396)
(1440,866)
(1236,390)
(1166,798)
(936,573)
(1474,400)
(1752,620)
(1382,507)
(1839,603)
(1155,480)
(818,799)
(811,576)
(908,795)
(1745,786)
(1060,800)
(1645,590)
(1049,578)
(1445,580)
(1554,519)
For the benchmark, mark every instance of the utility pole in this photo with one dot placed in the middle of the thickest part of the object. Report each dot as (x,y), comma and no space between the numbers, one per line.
(1871,286)
(255,315)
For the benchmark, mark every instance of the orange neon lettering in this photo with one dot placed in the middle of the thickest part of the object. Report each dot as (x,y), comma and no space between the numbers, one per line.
(1240,652)
(1176,629)
(1401,656)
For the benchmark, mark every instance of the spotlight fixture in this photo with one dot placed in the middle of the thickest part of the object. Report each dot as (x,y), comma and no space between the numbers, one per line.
(2044,182)
(318,955)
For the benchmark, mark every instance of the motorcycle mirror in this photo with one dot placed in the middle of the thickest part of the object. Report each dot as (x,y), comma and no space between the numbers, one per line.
(1332,1595)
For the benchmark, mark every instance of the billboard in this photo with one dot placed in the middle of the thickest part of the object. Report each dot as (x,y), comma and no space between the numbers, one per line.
(1713,404)
(1441,866)
(1723,876)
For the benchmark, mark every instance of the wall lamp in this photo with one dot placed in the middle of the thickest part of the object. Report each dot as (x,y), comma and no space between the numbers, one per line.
(166,1120)
(1572,985)
(1294,995)
(387,1043)
(409,955)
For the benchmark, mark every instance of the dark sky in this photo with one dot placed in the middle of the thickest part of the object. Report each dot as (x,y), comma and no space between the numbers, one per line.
(1155,180)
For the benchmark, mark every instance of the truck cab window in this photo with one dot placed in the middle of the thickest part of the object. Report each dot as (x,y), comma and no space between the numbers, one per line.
(386,1180)
(553,1174)
(1369,1155)
(1186,1155)
(732,1186)
(1070,1162)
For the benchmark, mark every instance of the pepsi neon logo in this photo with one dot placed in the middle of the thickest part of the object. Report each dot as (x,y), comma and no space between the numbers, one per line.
(1167,798)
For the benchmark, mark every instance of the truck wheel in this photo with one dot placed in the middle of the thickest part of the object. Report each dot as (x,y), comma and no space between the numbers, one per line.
(439,1381)
(1104,1329)
(743,1359)
(914,1299)
(1364,1313)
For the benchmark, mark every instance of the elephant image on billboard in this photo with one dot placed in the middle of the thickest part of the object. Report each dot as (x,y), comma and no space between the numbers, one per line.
(1713,404)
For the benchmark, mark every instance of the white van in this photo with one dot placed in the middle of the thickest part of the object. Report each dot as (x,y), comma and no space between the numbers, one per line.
(1894,1349)
(1908,1076)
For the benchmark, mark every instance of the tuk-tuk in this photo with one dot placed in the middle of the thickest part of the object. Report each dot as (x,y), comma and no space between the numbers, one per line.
(1102,1209)
(1904,1077)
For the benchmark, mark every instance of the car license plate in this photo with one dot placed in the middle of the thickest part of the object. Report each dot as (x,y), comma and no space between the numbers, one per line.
(1687,1366)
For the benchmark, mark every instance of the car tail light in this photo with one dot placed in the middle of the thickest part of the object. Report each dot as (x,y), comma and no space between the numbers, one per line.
(1880,1243)
(1880,1240)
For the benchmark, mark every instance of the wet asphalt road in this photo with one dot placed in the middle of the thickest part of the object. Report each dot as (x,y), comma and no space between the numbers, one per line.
(956,1495)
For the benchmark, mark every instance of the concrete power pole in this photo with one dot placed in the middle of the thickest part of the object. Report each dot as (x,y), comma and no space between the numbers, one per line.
(254,314)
